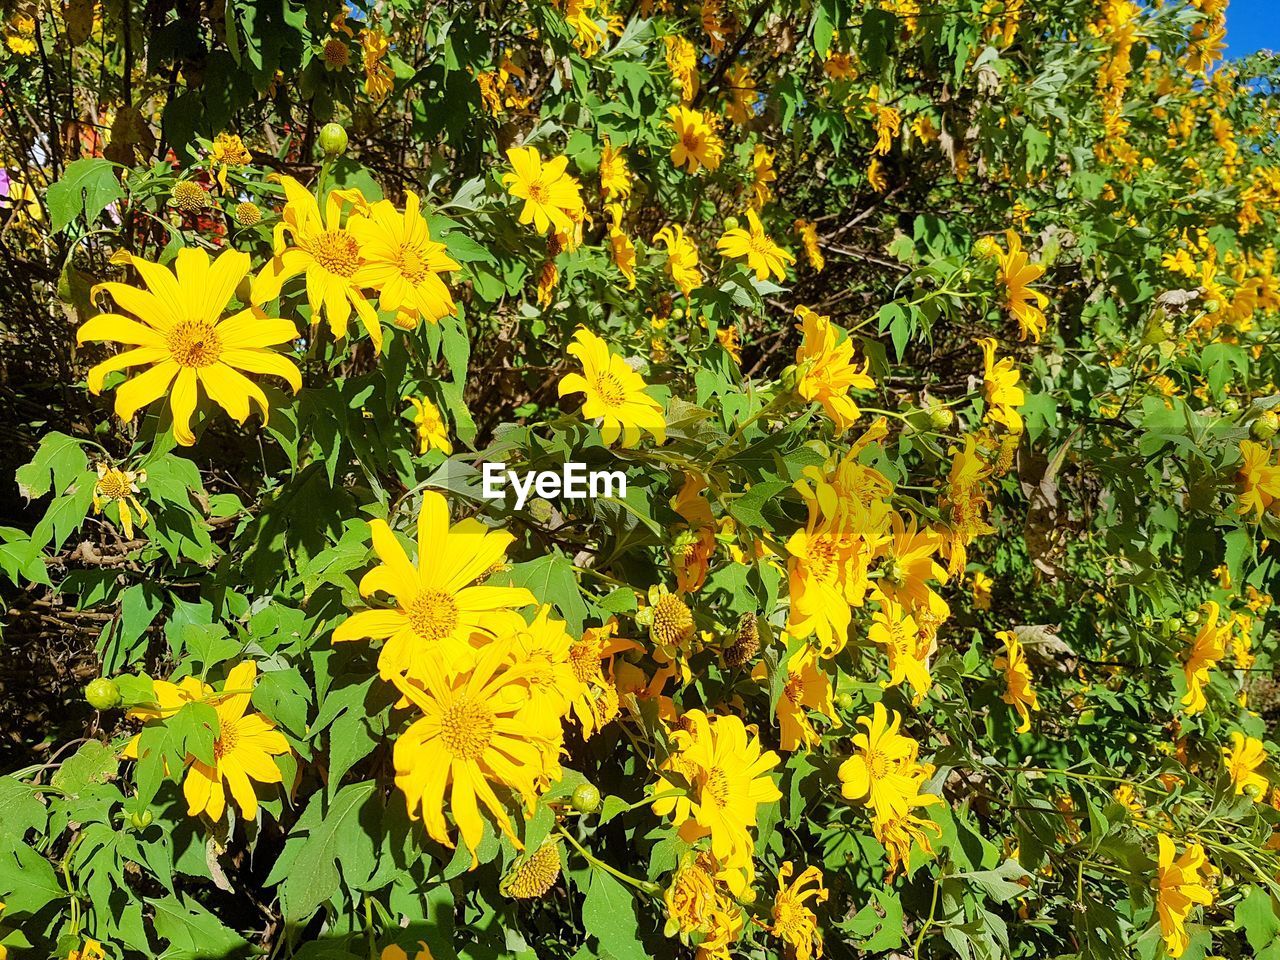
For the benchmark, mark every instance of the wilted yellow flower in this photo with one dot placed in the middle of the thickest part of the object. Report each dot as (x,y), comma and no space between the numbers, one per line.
(615,175)
(379,78)
(682,61)
(119,486)
(621,249)
(897,833)
(1019,693)
(227,152)
(186,344)
(615,393)
(875,176)
(808,233)
(908,648)
(794,922)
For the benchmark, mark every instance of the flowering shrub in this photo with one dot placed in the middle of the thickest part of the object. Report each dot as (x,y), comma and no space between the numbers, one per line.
(934,344)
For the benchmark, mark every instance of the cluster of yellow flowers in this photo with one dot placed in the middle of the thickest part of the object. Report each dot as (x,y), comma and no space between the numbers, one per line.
(179,332)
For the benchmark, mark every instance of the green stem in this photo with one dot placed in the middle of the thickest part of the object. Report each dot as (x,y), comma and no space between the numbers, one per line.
(643,886)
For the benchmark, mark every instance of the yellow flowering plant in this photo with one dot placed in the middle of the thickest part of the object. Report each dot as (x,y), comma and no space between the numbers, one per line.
(732,480)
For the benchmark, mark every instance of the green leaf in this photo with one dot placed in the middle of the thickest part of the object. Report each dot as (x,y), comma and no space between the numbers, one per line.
(193,932)
(58,461)
(94,762)
(1258,915)
(551,579)
(87,186)
(609,915)
(331,838)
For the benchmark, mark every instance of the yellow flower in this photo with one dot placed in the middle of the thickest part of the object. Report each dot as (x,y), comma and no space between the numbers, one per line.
(615,393)
(697,143)
(242,752)
(1127,797)
(433,432)
(89,950)
(875,176)
(728,777)
(1209,646)
(543,648)
(695,545)
(227,152)
(394,951)
(439,608)
(808,233)
(825,574)
(1016,274)
(885,773)
(1242,762)
(690,898)
(181,337)
(379,78)
(1258,480)
(402,262)
(727,337)
(327,253)
(1181,883)
(897,833)
(682,61)
(119,486)
(742,93)
(19,37)
(1019,693)
(551,196)
(888,123)
(615,175)
(965,504)
(981,586)
(908,647)
(794,921)
(682,258)
(621,248)
(1000,387)
(762,175)
(908,565)
(587,34)
(762,255)
(477,730)
(807,688)
(724,930)
(597,701)
(827,373)
(839,66)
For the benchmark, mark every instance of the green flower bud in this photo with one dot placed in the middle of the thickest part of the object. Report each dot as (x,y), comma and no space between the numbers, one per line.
(102,694)
(586,798)
(1264,428)
(333,140)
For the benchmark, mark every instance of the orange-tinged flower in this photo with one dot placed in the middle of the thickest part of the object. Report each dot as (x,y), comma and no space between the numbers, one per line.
(697,143)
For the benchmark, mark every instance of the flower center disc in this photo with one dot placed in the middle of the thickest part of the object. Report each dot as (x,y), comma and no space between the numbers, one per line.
(337,251)
(466,728)
(412,265)
(539,193)
(195,343)
(433,615)
(113,485)
(715,785)
(878,764)
(228,737)
(610,389)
